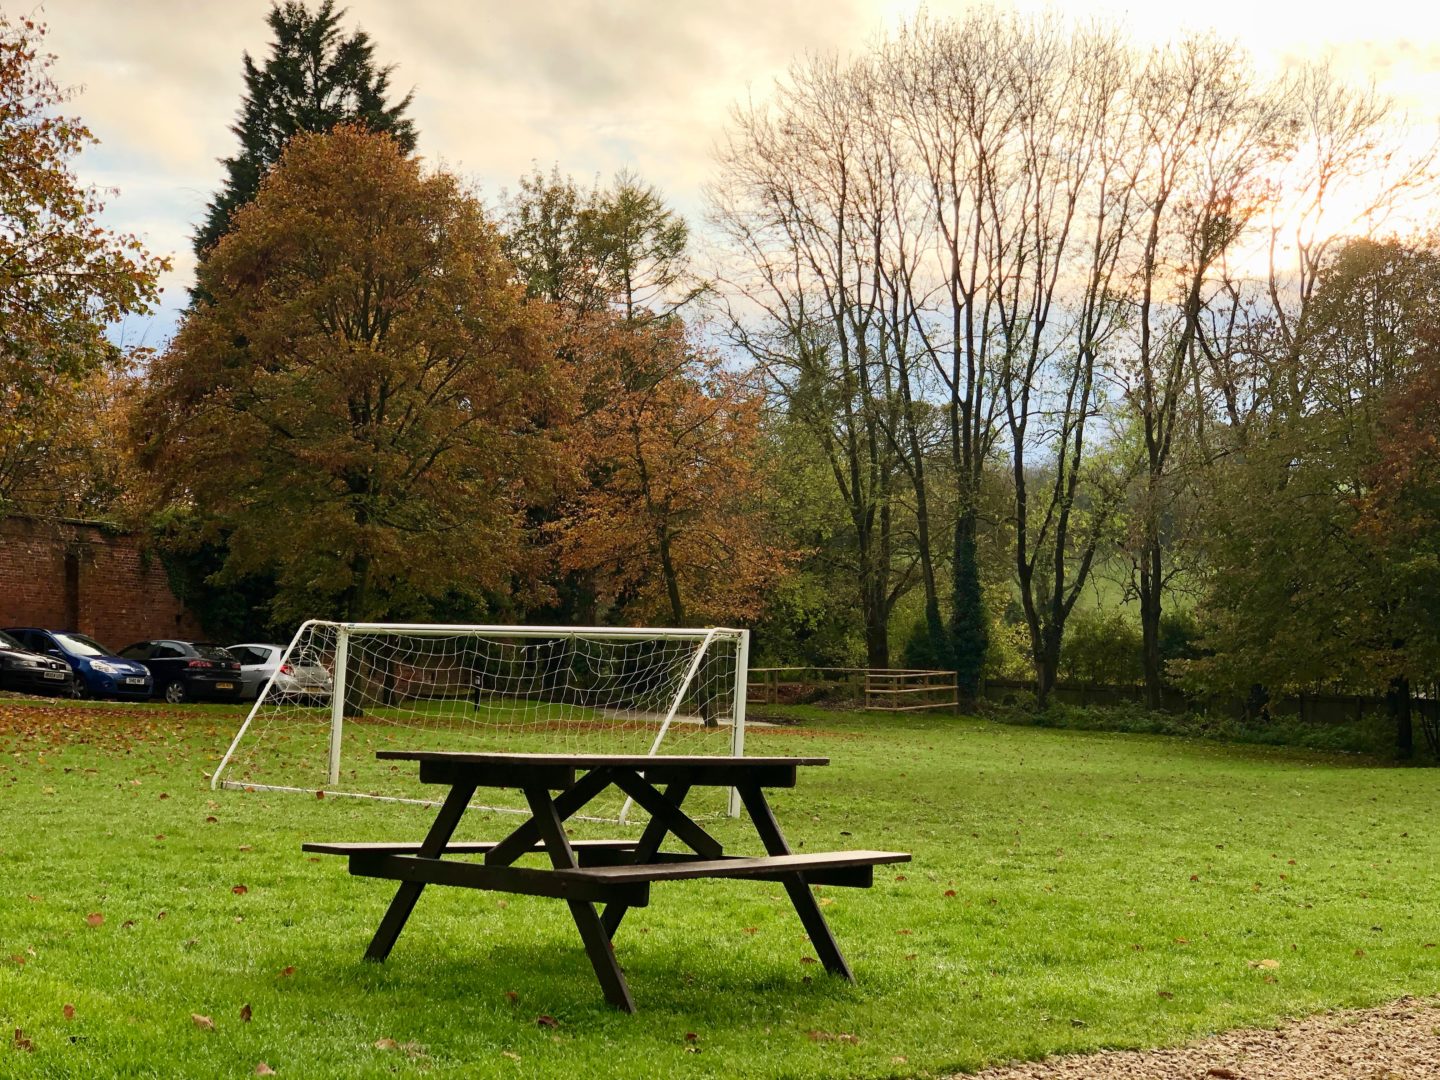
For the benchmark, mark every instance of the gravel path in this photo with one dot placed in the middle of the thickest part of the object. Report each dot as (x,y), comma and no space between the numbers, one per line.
(1400,1041)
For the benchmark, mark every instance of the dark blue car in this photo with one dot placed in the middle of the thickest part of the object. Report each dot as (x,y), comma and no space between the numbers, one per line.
(98,671)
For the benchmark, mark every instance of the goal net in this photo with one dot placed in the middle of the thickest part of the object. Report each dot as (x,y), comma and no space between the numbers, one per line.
(345,690)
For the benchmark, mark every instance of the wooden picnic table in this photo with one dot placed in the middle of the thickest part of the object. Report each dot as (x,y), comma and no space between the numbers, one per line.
(615,873)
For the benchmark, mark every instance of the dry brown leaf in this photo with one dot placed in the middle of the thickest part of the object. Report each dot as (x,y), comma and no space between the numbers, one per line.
(807,959)
(386,1044)
(264,1070)
(825,1036)
(245,1013)
(547,1021)
(286,972)
(68,1011)
(204,1023)
(239,890)
(22,1043)
(510,1054)
(95,919)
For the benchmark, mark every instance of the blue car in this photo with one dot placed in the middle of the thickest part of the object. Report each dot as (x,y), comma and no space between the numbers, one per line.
(98,671)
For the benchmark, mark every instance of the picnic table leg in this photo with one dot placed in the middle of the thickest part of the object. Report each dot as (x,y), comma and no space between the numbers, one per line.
(451,811)
(587,919)
(800,895)
(645,850)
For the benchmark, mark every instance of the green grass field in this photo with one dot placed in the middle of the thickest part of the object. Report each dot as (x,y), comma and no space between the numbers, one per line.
(1070,890)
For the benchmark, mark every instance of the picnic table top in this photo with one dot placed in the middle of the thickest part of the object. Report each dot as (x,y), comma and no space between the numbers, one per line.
(596,761)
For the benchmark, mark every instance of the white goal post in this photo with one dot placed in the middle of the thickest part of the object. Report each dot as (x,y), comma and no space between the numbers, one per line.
(537,689)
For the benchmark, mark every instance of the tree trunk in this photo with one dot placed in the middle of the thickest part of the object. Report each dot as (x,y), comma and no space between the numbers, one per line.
(1047,665)
(672,578)
(1150,579)
(1397,701)
(969,632)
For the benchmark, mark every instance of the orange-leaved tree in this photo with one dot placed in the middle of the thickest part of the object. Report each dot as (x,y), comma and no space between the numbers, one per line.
(364,399)
(63,278)
(671,519)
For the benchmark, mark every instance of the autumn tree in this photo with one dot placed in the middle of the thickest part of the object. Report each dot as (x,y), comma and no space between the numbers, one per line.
(63,278)
(672,519)
(315,78)
(364,400)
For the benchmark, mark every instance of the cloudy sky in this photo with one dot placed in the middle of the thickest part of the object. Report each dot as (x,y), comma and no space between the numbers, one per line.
(590,85)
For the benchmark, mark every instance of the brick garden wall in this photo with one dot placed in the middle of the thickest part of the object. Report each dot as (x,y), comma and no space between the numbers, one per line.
(75,576)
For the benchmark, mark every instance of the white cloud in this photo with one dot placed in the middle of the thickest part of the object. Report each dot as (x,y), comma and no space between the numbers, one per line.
(593,85)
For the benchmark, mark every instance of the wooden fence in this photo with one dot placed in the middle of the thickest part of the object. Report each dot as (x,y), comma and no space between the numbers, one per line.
(875,689)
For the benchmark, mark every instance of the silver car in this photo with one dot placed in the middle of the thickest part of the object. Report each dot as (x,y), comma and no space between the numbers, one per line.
(304,678)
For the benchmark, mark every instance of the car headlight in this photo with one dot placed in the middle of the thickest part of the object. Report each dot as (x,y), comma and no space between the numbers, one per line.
(105,667)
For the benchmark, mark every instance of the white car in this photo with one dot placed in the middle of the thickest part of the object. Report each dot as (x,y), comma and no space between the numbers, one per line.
(304,679)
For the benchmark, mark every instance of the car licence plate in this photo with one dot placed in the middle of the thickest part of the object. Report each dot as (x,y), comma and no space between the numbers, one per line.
(224,686)
(135,680)
(54,674)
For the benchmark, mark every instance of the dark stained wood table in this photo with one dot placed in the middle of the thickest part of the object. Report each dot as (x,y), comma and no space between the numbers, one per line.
(615,873)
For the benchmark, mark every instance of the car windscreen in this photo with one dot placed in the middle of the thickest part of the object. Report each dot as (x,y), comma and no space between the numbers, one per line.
(210,651)
(81,645)
(8,642)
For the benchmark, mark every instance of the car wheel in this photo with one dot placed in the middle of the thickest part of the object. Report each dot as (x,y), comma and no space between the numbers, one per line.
(175,693)
(78,690)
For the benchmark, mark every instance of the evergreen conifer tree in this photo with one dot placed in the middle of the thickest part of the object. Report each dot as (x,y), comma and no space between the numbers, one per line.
(315,78)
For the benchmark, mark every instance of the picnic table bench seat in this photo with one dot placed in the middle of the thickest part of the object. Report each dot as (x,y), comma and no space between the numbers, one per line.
(603,862)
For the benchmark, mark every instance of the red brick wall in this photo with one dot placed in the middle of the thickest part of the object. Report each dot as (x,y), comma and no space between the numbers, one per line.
(117,595)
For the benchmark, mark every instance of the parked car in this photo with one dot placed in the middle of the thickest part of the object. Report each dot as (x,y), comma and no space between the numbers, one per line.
(98,671)
(186,670)
(32,673)
(304,679)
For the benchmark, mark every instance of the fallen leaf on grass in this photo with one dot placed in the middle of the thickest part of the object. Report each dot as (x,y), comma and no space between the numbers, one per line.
(21,1042)
(386,1044)
(807,959)
(510,1054)
(264,1070)
(754,929)
(68,1011)
(1267,963)
(511,996)
(826,901)
(547,1021)
(1182,941)
(245,1013)
(285,973)
(825,1036)
(691,1036)
(949,892)
(1359,952)
(239,890)
(1166,994)
(204,1023)
(95,919)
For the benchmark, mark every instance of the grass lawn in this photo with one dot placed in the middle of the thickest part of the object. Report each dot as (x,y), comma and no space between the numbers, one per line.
(1070,891)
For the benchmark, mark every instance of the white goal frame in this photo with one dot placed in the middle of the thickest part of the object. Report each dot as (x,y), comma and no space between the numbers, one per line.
(704,637)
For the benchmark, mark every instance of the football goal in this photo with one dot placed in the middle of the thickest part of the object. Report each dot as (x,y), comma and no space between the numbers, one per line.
(511,689)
